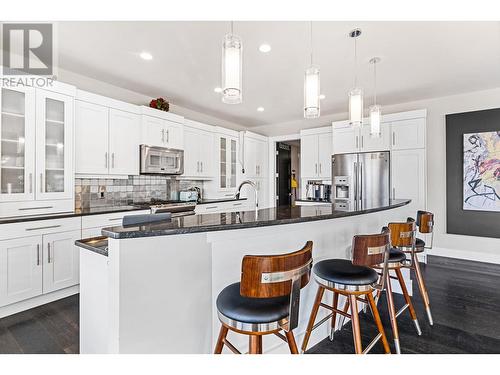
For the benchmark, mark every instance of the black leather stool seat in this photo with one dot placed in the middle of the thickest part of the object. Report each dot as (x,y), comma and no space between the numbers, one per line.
(419,242)
(251,310)
(396,256)
(342,271)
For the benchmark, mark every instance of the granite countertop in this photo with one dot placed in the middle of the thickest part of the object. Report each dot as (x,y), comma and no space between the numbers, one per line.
(241,220)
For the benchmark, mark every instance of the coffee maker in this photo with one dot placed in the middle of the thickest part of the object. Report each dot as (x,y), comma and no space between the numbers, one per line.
(318,191)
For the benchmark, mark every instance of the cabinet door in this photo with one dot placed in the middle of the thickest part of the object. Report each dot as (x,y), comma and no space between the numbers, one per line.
(233,161)
(251,152)
(60,260)
(192,147)
(325,155)
(17,144)
(228,153)
(206,154)
(262,155)
(408,177)
(309,156)
(153,131)
(124,135)
(54,146)
(407,134)
(20,269)
(382,143)
(346,140)
(91,138)
(174,135)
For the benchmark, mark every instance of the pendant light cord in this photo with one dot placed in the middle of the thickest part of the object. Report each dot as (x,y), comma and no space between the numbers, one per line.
(311,41)
(231,27)
(355,63)
(375,82)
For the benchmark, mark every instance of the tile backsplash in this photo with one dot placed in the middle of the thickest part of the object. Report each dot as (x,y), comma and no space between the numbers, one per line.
(97,192)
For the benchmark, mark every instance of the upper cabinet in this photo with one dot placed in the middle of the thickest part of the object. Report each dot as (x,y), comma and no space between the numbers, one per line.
(316,152)
(198,150)
(162,129)
(107,138)
(408,134)
(256,150)
(36,148)
(228,149)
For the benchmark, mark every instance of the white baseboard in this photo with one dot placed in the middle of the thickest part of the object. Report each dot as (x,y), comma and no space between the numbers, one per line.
(17,307)
(466,255)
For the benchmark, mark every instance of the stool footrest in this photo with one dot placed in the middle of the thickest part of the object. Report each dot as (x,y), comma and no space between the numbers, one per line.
(335,310)
(400,311)
(372,343)
(281,336)
(231,346)
(321,321)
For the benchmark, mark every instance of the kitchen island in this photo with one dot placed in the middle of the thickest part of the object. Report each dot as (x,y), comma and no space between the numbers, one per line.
(153,288)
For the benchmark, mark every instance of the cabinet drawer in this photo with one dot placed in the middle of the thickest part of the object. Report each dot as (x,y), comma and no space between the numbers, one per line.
(33,228)
(29,208)
(108,220)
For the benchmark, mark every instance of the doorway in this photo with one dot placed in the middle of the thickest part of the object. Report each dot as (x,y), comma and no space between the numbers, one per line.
(287,172)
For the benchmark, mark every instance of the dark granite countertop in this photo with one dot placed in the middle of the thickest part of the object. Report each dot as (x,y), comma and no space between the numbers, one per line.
(313,201)
(241,220)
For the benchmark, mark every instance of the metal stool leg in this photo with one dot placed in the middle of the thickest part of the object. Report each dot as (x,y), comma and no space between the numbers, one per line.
(346,308)
(392,313)
(334,315)
(422,288)
(312,318)
(407,297)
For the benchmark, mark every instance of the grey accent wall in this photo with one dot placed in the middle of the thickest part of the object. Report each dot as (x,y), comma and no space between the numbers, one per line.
(458,220)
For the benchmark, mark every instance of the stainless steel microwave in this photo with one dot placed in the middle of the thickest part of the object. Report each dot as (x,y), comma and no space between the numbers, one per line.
(161,160)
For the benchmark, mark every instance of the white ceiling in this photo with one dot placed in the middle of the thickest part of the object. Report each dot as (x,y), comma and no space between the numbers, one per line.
(419,60)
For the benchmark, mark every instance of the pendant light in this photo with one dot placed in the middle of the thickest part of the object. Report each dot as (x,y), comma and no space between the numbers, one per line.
(375,113)
(311,87)
(356,94)
(232,49)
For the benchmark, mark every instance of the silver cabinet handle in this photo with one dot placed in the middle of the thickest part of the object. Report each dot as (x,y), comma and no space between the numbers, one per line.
(237,204)
(316,168)
(393,138)
(38,228)
(31,183)
(357,142)
(112,160)
(115,218)
(34,208)
(48,253)
(168,136)
(362,141)
(37,254)
(197,166)
(320,172)
(201,166)
(393,193)
(162,135)
(105,160)
(41,182)
(211,208)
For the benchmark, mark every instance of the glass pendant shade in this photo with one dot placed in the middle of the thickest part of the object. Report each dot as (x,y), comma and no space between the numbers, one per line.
(356,107)
(231,69)
(311,92)
(375,118)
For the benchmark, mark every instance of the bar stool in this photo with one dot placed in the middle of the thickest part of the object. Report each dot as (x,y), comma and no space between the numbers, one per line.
(402,234)
(425,223)
(355,280)
(266,301)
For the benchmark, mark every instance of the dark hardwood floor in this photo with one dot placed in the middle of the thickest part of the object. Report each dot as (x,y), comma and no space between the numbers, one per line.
(464,295)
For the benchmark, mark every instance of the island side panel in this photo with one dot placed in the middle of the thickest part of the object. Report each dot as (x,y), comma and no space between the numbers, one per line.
(332,239)
(162,294)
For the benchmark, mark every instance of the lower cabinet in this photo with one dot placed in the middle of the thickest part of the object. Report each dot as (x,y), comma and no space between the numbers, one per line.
(35,265)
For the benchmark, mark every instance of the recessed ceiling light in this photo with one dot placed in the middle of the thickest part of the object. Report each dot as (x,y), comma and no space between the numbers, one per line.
(146,55)
(217,90)
(322,96)
(260,109)
(265,48)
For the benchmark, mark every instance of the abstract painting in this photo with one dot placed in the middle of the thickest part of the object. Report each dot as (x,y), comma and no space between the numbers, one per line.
(481,180)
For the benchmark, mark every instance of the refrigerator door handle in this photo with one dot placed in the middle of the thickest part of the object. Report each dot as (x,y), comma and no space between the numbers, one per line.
(355,184)
(360,184)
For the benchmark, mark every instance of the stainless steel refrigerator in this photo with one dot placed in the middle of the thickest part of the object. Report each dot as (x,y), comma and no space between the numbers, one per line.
(361,180)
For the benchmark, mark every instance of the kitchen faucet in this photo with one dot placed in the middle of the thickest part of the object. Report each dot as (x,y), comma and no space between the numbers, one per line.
(252,184)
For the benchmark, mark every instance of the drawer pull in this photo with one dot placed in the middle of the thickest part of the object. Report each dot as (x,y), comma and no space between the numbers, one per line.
(37,254)
(34,208)
(237,204)
(47,227)
(116,218)
(48,253)
(211,208)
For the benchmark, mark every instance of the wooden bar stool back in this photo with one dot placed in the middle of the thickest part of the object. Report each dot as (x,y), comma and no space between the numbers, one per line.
(425,224)
(354,279)
(266,301)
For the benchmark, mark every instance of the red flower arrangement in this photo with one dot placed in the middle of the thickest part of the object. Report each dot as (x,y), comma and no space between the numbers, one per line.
(160,104)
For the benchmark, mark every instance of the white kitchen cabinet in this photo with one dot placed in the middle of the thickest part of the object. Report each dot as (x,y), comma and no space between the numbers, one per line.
(369,143)
(60,260)
(347,139)
(107,140)
(316,152)
(256,157)
(408,177)
(91,135)
(162,132)
(124,132)
(408,134)
(17,144)
(198,153)
(20,269)
(227,147)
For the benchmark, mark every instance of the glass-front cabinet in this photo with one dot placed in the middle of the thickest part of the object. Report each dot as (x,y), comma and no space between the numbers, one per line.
(36,145)
(54,145)
(228,151)
(17,144)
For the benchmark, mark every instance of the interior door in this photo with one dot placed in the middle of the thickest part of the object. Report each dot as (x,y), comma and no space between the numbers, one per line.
(17,144)
(54,146)
(374,179)
(124,135)
(91,138)
(20,269)
(60,260)
(284,175)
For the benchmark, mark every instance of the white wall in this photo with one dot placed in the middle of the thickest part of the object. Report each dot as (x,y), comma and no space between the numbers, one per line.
(468,247)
